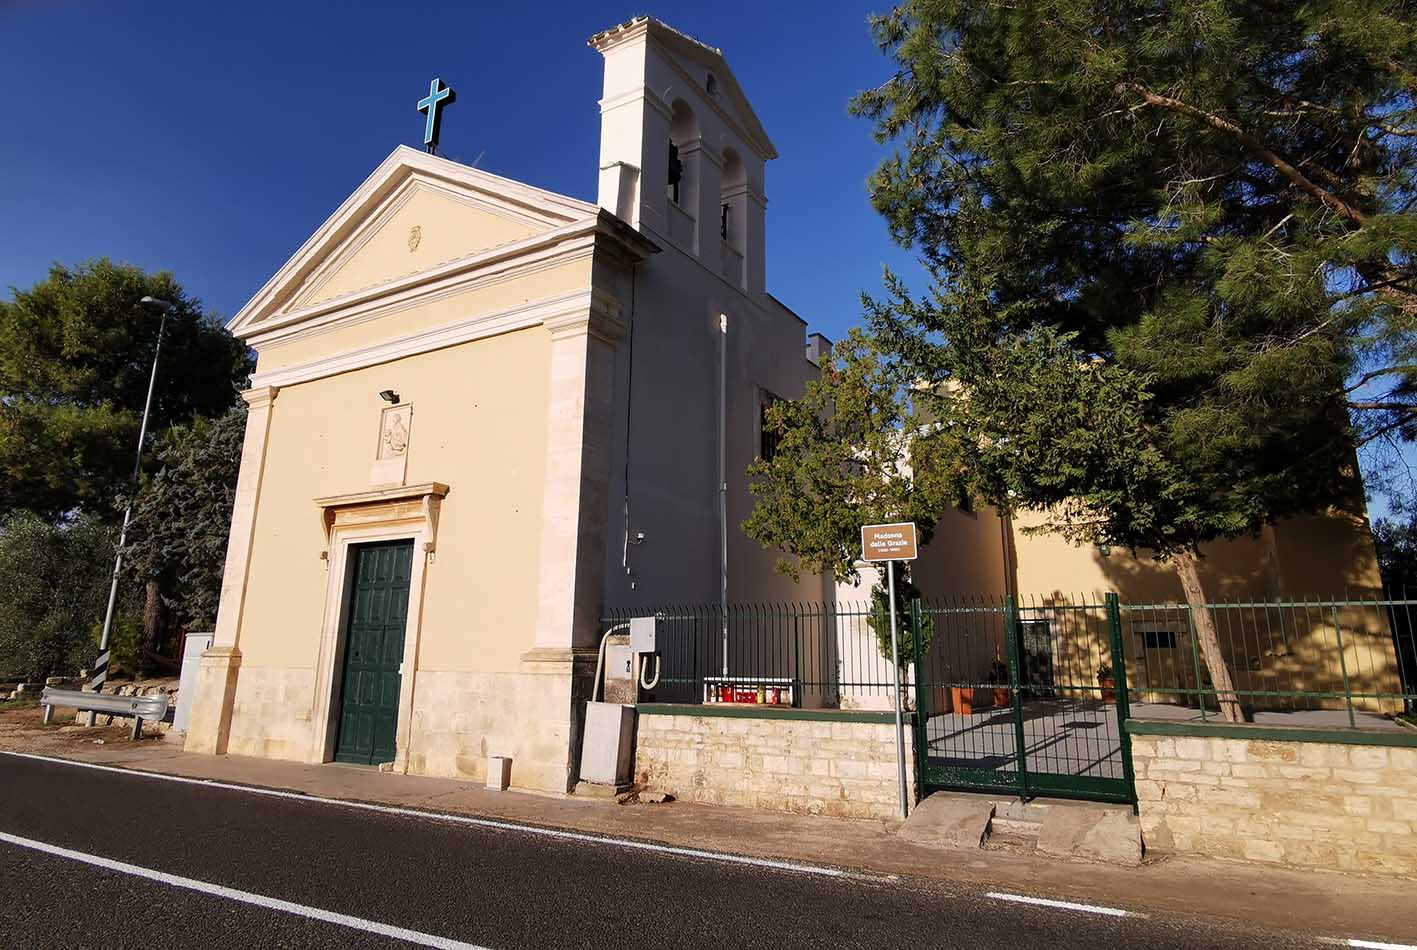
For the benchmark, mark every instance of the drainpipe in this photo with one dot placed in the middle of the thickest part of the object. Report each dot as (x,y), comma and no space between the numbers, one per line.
(723,479)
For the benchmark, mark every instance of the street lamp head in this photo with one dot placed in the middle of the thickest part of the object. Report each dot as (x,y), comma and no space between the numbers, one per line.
(389,396)
(162,305)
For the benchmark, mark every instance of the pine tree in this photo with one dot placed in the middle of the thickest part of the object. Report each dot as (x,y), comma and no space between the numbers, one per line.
(1170,259)
(181,516)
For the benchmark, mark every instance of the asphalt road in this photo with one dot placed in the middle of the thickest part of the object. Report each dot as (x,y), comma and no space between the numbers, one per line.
(187,865)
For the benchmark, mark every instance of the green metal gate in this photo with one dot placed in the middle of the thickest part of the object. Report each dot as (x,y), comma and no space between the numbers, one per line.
(1018,699)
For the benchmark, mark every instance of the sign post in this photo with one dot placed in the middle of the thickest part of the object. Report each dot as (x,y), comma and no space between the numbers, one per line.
(891,543)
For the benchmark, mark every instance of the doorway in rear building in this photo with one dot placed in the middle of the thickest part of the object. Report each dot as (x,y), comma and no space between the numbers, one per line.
(373,652)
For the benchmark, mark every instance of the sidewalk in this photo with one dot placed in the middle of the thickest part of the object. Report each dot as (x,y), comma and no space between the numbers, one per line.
(1315,902)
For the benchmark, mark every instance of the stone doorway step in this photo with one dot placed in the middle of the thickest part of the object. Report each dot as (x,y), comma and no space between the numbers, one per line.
(957,821)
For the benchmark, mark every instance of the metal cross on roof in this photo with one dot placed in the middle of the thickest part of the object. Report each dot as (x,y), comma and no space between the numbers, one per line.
(430,105)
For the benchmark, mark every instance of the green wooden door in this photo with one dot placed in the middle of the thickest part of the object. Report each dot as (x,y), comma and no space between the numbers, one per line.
(373,653)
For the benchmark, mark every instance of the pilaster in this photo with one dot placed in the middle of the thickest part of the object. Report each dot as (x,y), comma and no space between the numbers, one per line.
(210,724)
(575,500)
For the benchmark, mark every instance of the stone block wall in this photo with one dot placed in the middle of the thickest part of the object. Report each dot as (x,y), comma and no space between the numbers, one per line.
(460,718)
(824,765)
(1319,804)
(271,714)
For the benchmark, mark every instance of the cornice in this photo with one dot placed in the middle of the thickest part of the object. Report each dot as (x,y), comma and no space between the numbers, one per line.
(259,397)
(558,246)
(576,305)
(384,495)
(601,319)
(638,94)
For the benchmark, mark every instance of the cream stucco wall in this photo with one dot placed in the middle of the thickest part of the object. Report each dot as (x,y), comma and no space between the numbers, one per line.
(665,474)
(1328,555)
(490,296)
(448,227)
(479,413)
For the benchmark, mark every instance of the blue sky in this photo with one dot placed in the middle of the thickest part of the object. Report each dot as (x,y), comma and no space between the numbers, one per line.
(211,139)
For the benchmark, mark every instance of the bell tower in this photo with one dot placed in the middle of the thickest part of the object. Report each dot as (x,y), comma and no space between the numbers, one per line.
(682,153)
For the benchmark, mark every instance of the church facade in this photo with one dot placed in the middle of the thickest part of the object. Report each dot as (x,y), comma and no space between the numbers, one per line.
(481,413)
(484,413)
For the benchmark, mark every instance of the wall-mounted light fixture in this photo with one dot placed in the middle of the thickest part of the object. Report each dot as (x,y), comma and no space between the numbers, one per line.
(389,396)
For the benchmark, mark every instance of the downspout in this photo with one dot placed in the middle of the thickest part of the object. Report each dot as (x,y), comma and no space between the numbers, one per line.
(723,479)
(629,417)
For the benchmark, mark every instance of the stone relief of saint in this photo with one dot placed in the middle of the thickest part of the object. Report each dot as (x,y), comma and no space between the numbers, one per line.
(396,436)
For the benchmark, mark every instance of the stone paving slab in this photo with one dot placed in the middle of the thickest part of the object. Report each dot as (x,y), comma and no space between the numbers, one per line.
(1091,832)
(949,822)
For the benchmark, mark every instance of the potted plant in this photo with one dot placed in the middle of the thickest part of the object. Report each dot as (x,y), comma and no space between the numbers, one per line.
(1107,682)
(999,677)
(962,700)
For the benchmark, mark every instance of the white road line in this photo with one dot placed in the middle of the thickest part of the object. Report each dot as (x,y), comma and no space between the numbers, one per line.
(1061,905)
(629,843)
(1375,945)
(244,897)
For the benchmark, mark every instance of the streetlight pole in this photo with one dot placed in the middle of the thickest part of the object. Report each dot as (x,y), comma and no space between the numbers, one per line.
(100,671)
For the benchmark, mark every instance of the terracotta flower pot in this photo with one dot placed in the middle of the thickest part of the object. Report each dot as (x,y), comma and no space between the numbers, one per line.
(1109,688)
(1001,696)
(962,699)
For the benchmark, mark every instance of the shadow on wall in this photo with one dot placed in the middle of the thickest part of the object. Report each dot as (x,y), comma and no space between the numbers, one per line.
(1321,650)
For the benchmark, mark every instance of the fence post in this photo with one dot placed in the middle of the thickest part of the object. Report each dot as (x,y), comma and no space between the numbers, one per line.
(1124,703)
(1343,668)
(1011,636)
(1196,658)
(922,713)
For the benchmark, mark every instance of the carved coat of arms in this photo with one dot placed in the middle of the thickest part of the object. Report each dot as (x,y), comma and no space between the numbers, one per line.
(415,237)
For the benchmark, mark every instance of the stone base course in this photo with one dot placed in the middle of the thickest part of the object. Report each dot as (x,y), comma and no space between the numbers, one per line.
(458,720)
(799,766)
(1303,804)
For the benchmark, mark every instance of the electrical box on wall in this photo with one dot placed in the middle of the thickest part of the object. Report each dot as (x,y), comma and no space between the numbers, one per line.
(619,662)
(642,634)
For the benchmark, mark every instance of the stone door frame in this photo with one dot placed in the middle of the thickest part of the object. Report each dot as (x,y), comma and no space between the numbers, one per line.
(403,514)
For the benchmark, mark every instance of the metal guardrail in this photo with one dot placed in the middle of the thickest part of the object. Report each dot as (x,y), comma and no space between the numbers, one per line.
(151,708)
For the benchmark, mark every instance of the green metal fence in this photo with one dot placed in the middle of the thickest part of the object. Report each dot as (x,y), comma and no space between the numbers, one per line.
(805,655)
(1028,696)
(1329,663)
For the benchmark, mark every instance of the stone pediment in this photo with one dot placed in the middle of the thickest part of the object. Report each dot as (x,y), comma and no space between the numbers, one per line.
(416,214)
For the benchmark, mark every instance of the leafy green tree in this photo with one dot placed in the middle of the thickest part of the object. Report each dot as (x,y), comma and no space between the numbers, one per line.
(841,461)
(1396,543)
(53,588)
(181,515)
(76,350)
(880,618)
